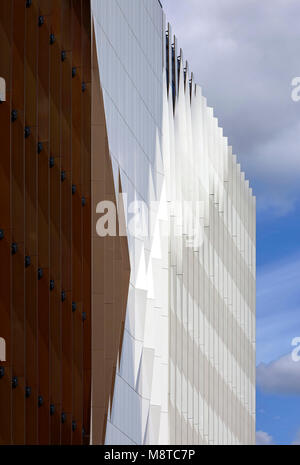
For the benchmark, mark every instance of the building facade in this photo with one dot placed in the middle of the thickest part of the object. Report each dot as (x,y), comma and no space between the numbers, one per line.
(127,271)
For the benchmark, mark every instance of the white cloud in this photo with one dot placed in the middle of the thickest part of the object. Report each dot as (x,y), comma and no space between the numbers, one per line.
(263,439)
(279,377)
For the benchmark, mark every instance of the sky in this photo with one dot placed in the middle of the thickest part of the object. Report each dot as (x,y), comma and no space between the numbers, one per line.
(245,54)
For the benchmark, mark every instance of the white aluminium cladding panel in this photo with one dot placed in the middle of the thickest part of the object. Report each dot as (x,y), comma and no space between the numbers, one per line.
(129,47)
(187,369)
(212,273)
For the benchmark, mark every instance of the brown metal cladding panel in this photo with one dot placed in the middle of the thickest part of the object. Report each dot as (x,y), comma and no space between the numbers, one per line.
(5,111)
(67,317)
(86,302)
(86,217)
(76,27)
(86,141)
(66,123)
(43,81)
(66,231)
(31,62)
(67,369)
(5,407)
(31,378)
(18,207)
(5,224)
(55,306)
(77,297)
(66,116)
(5,311)
(77,315)
(77,410)
(77,375)
(18,346)
(43,226)
(76,93)
(31,314)
(86,43)
(55,365)
(43,207)
(43,358)
(50,345)
(66,38)
(45,7)
(66,225)
(66,144)
(86,294)
(31,185)
(18,125)
(55,225)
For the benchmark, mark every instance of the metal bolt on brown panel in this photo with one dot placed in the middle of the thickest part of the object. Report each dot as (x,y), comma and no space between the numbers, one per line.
(14,115)
(27,132)
(40,147)
(15,382)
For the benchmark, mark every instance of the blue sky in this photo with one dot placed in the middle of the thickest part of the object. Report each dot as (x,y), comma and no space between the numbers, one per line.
(245,54)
